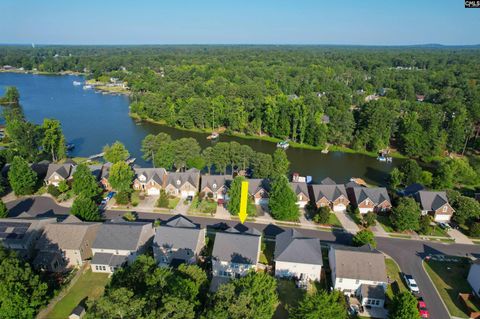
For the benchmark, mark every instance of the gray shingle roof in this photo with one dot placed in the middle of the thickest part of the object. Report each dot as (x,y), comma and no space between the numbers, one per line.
(328,181)
(372,292)
(177,179)
(179,233)
(360,263)
(215,182)
(237,247)
(257,184)
(111,260)
(155,174)
(292,246)
(64,170)
(432,201)
(299,188)
(330,192)
(123,235)
(376,194)
(65,235)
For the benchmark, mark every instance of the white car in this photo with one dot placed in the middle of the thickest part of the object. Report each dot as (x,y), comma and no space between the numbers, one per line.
(411,283)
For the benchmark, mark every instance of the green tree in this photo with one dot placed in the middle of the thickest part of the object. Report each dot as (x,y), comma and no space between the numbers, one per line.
(186,149)
(466,209)
(53,141)
(283,201)
(396,178)
(404,306)
(22,292)
(115,153)
(122,197)
(424,225)
(475,229)
(121,176)
(118,303)
(221,159)
(262,165)
(412,172)
(84,183)
(63,186)
(208,156)
(234,194)
(280,163)
(197,162)
(163,199)
(369,219)
(320,304)
(152,143)
(406,215)
(3,210)
(12,96)
(322,216)
(85,208)
(364,237)
(251,297)
(24,136)
(21,177)
(165,156)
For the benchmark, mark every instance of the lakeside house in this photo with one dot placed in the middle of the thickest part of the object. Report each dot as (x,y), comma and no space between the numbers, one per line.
(330,195)
(183,184)
(359,272)
(370,199)
(258,189)
(297,256)
(216,186)
(40,168)
(178,241)
(21,234)
(474,277)
(67,244)
(57,173)
(435,204)
(301,191)
(149,180)
(105,173)
(236,251)
(119,242)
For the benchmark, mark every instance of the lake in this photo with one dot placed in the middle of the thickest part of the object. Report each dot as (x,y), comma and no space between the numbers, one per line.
(91,120)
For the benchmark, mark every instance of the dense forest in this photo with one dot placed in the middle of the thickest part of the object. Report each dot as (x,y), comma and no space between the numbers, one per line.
(421,101)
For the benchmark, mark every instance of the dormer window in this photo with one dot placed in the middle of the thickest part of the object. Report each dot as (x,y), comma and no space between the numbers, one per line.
(178,182)
(142,178)
(367,202)
(445,208)
(214,186)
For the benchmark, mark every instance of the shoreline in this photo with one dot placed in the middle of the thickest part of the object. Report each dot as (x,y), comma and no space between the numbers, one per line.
(331,148)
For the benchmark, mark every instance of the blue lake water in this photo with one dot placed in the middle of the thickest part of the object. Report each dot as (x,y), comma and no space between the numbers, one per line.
(91,120)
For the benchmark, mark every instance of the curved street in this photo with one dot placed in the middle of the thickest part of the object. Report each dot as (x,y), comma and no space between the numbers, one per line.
(407,253)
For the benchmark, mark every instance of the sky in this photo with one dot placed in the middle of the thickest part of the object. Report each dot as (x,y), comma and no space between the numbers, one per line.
(355,22)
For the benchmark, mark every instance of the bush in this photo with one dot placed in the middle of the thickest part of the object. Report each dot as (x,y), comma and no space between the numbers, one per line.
(122,198)
(63,197)
(130,216)
(52,190)
(369,219)
(475,229)
(3,210)
(425,227)
(163,200)
(322,215)
(364,237)
(63,186)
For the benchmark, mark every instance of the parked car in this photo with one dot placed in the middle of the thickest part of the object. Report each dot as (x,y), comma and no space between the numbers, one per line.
(109,197)
(411,283)
(189,198)
(444,226)
(422,308)
(454,225)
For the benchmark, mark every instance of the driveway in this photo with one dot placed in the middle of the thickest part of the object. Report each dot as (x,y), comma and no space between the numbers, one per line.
(181,207)
(347,222)
(459,237)
(148,203)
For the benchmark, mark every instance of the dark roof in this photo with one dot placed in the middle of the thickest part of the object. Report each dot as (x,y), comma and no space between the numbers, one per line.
(79,310)
(372,291)
(299,187)
(177,179)
(179,233)
(376,194)
(64,170)
(257,184)
(155,174)
(215,182)
(328,181)
(412,189)
(236,246)
(430,200)
(111,260)
(122,235)
(330,192)
(362,263)
(292,246)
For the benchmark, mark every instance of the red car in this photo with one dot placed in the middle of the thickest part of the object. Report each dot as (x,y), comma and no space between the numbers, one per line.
(422,308)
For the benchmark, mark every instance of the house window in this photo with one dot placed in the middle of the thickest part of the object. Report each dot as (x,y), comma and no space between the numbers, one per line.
(367,202)
(377,302)
(445,209)
(178,182)
(340,280)
(214,186)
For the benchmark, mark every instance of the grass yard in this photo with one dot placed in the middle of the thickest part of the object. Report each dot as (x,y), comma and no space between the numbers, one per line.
(395,279)
(203,206)
(90,285)
(289,297)
(450,279)
(333,220)
(385,223)
(172,202)
(438,231)
(266,255)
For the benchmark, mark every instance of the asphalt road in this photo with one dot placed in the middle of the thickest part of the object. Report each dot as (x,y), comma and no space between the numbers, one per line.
(407,253)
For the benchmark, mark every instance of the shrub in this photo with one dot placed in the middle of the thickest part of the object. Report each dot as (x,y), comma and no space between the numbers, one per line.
(63,197)
(364,237)
(52,190)
(63,186)
(425,227)
(475,229)
(122,198)
(322,215)
(163,200)
(370,219)
(130,216)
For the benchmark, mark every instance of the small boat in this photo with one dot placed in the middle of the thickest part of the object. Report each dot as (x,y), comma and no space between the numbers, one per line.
(87,87)
(283,144)
(386,159)
(77,83)
(69,146)
(213,136)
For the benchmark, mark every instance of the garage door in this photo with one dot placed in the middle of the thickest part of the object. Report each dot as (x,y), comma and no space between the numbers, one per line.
(339,208)
(153,191)
(185,194)
(442,218)
(365,210)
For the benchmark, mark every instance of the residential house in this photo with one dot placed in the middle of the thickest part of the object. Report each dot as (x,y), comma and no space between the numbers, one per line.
(435,204)
(119,242)
(105,173)
(235,252)
(215,186)
(370,199)
(57,173)
(258,189)
(183,184)
(77,313)
(178,241)
(411,189)
(65,245)
(328,181)
(474,277)
(40,168)
(96,171)
(21,234)
(301,190)
(330,195)
(150,180)
(359,272)
(297,256)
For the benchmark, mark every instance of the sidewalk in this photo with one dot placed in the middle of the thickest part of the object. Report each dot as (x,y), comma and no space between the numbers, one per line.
(347,222)
(378,230)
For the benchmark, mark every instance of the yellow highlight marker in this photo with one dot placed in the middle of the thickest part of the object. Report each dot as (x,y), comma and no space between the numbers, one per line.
(243,202)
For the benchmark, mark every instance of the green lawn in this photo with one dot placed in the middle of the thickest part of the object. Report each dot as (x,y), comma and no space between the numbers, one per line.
(450,279)
(333,220)
(203,206)
(289,296)
(89,285)
(385,223)
(266,255)
(396,283)
(172,202)
(438,231)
